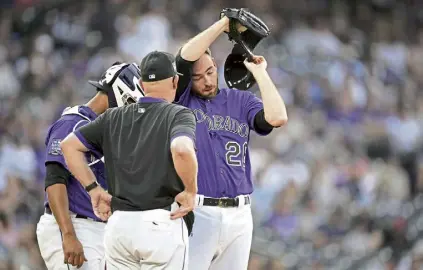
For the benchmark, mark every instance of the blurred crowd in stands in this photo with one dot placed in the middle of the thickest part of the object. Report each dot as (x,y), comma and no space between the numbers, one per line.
(340,187)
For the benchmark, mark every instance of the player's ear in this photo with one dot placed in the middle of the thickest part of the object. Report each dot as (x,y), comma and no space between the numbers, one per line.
(175,81)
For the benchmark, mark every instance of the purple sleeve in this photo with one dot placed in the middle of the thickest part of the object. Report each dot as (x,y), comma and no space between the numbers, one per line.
(252,106)
(57,133)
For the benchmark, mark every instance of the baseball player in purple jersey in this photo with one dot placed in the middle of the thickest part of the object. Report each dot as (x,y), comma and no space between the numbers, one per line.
(222,233)
(69,234)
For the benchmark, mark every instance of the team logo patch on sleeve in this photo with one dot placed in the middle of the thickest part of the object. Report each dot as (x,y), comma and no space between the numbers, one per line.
(55,149)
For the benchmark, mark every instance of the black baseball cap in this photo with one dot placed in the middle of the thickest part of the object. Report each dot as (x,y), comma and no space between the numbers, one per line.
(157,66)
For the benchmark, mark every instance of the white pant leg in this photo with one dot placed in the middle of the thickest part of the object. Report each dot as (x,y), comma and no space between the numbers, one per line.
(89,233)
(204,241)
(50,243)
(147,240)
(237,233)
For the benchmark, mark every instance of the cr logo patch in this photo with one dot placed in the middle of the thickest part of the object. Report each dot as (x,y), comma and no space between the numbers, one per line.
(55,149)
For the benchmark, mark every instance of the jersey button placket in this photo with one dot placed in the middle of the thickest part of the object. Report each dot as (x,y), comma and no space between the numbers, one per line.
(208,106)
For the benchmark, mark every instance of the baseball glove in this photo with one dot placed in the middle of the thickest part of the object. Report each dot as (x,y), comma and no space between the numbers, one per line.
(251,31)
(246,30)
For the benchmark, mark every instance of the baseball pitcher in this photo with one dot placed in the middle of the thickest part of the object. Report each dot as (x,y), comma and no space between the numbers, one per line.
(69,234)
(222,233)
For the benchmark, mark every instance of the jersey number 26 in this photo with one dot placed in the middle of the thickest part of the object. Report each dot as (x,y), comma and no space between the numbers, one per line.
(235,153)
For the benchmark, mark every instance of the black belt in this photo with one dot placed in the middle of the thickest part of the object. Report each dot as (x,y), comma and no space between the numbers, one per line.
(225,202)
(47,210)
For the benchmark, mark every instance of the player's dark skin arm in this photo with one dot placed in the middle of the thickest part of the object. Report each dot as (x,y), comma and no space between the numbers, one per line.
(56,180)
(59,204)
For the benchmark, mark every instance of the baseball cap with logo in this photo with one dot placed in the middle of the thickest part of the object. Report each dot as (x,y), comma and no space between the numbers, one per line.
(157,66)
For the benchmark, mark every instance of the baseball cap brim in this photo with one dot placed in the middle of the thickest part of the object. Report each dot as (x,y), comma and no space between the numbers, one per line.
(96,84)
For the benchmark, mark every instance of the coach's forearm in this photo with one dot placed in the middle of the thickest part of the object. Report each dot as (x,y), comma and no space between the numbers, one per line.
(59,205)
(198,45)
(274,106)
(185,162)
(77,164)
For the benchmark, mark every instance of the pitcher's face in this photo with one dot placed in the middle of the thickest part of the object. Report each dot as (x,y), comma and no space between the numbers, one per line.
(204,77)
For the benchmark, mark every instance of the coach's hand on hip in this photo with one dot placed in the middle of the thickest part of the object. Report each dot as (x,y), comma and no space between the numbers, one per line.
(101,201)
(186,201)
(73,251)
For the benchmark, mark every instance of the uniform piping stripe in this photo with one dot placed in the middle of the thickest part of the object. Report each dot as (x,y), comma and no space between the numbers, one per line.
(80,121)
(185,249)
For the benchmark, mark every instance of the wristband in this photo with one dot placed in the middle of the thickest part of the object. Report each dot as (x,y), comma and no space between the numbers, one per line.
(91,186)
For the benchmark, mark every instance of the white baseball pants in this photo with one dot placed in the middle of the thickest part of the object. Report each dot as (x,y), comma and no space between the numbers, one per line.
(90,234)
(221,237)
(146,240)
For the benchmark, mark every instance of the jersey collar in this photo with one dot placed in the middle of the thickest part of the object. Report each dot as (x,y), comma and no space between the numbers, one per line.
(219,98)
(150,100)
(85,110)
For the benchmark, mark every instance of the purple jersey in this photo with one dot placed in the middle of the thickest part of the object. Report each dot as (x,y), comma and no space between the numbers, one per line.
(222,135)
(72,119)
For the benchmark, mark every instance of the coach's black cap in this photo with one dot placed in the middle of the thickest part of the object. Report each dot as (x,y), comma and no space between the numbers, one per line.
(157,66)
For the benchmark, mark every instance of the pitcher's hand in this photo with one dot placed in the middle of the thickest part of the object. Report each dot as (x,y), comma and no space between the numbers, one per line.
(257,65)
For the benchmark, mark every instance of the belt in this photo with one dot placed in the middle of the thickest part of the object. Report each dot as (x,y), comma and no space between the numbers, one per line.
(47,210)
(224,202)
